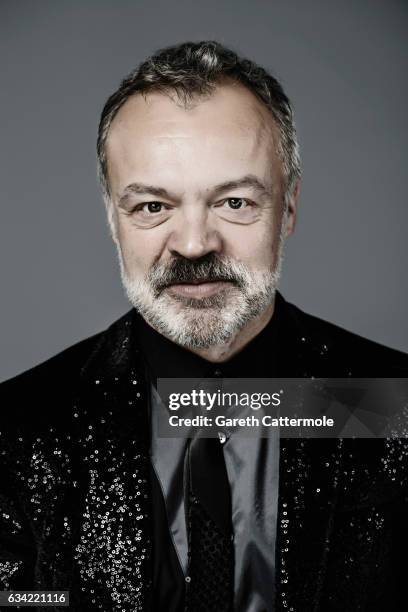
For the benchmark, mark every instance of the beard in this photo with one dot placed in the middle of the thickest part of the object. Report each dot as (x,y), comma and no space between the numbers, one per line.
(193,322)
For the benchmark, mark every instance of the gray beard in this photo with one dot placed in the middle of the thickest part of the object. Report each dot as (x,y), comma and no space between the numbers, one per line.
(202,323)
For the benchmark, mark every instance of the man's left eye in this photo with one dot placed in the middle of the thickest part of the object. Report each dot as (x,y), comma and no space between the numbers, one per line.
(236,203)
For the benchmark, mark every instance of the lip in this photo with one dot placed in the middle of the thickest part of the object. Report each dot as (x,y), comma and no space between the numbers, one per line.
(198,289)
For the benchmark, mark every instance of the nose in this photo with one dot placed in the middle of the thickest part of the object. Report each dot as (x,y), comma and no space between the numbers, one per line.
(194,235)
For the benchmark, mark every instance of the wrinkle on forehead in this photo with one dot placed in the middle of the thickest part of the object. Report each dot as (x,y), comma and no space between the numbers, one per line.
(249,114)
(231,117)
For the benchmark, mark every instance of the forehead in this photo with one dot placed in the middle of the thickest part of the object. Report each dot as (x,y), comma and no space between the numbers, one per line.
(228,131)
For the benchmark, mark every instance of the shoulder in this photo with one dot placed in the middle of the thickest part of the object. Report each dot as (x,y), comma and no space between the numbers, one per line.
(69,364)
(359,355)
(40,394)
(43,391)
(66,364)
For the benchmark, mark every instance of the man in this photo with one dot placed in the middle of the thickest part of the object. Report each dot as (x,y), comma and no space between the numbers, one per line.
(200,172)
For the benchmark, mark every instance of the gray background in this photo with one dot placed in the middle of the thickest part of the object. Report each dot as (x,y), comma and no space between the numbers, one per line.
(344,66)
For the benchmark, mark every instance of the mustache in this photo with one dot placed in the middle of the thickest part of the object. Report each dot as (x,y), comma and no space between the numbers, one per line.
(208,268)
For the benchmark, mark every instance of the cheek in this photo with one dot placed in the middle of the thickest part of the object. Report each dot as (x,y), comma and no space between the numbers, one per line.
(140,249)
(256,245)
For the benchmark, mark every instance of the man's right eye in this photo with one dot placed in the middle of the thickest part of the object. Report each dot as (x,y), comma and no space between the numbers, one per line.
(152,207)
(149,214)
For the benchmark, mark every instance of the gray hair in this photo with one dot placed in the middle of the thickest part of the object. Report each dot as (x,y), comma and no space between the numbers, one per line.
(194,69)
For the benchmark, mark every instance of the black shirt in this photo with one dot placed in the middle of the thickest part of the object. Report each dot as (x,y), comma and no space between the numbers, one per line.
(165,359)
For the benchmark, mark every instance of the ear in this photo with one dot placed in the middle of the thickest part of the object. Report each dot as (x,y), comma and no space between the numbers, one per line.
(113,231)
(291,209)
(112,221)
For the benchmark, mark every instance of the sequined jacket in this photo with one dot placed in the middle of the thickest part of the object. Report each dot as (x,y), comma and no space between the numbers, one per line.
(75,495)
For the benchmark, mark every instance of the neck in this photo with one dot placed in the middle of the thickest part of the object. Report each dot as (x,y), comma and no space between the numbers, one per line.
(223,352)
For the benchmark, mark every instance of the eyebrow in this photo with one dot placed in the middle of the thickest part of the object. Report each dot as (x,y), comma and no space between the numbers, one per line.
(250,180)
(142,188)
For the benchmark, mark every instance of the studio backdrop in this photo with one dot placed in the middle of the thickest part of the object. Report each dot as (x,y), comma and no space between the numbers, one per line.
(344,67)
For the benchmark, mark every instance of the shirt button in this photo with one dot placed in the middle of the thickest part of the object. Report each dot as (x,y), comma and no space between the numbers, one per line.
(217,373)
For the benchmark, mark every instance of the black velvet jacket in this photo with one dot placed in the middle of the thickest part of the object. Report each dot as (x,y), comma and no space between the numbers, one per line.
(75,488)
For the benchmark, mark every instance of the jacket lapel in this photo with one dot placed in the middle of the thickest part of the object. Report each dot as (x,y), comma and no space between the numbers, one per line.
(308,480)
(308,494)
(113,557)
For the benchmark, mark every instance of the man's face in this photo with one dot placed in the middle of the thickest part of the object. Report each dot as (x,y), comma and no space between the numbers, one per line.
(198,197)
